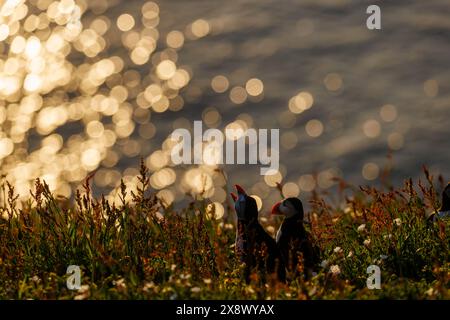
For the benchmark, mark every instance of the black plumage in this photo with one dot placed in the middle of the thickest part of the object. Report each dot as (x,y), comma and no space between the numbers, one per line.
(446,199)
(444,211)
(254,246)
(293,240)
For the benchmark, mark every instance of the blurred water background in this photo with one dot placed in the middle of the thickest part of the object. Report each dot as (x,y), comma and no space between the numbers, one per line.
(100,94)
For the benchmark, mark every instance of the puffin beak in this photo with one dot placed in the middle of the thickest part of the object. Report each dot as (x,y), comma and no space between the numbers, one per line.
(276,208)
(239,189)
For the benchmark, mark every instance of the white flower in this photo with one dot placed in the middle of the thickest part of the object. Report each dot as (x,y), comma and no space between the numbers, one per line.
(350,254)
(229,226)
(361,228)
(185,276)
(148,286)
(83,293)
(387,236)
(249,289)
(324,263)
(120,283)
(313,291)
(430,292)
(383,257)
(207,281)
(84,288)
(337,250)
(367,242)
(334,269)
(81,296)
(398,221)
(196,289)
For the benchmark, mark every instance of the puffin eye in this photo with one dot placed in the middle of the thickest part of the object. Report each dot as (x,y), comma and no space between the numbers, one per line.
(283,207)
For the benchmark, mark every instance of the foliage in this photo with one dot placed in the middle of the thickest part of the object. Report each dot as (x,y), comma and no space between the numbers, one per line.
(143,250)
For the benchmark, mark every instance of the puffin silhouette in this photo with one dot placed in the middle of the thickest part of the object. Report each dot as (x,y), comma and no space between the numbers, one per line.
(444,211)
(292,238)
(254,246)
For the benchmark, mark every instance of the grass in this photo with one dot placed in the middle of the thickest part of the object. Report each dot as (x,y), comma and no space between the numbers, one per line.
(142,250)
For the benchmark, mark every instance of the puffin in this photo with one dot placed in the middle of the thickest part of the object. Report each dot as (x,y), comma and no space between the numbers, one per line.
(292,238)
(444,211)
(254,246)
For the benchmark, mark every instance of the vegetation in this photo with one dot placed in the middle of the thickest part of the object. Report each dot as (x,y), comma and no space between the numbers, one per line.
(142,250)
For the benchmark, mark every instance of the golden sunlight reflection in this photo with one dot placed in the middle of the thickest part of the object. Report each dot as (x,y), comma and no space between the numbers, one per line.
(92,86)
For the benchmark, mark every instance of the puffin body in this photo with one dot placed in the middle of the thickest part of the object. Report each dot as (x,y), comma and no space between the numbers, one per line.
(254,246)
(292,238)
(444,211)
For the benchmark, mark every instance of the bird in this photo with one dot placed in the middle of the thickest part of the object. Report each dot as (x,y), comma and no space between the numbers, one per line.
(444,211)
(254,246)
(293,240)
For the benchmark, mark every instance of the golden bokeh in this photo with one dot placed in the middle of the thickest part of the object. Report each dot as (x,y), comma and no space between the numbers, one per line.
(370,171)
(220,83)
(93,85)
(314,128)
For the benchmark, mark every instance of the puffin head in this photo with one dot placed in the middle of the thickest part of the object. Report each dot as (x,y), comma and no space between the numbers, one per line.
(446,198)
(244,205)
(290,207)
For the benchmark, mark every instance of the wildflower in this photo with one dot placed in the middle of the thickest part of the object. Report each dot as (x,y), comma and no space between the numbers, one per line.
(81,296)
(430,292)
(159,216)
(312,291)
(367,242)
(334,269)
(174,296)
(185,276)
(398,221)
(337,250)
(324,263)
(361,228)
(387,236)
(120,283)
(84,288)
(36,279)
(229,226)
(350,254)
(83,293)
(172,267)
(207,281)
(167,289)
(249,289)
(383,257)
(148,286)
(196,289)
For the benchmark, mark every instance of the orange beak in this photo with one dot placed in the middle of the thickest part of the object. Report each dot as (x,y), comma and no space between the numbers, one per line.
(276,208)
(239,189)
